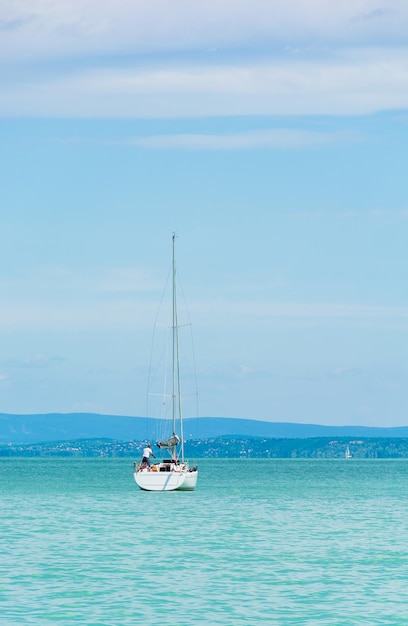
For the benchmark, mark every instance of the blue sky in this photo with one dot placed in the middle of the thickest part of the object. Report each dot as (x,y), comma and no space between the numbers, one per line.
(272,137)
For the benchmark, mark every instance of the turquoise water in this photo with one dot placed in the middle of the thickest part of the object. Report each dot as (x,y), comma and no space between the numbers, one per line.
(299,542)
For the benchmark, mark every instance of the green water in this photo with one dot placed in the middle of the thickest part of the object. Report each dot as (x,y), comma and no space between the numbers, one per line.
(299,542)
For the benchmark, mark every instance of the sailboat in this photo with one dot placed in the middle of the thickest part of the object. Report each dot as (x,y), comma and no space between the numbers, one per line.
(173,473)
(348,453)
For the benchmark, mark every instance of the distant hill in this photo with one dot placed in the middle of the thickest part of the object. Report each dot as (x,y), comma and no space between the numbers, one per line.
(39,428)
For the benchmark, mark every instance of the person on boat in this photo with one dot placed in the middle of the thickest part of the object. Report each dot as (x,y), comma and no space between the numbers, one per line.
(147,453)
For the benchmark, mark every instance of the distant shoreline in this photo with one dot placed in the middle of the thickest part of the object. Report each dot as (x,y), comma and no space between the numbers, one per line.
(222,448)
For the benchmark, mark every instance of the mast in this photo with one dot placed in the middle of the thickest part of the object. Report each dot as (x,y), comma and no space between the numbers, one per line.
(174,333)
(176,390)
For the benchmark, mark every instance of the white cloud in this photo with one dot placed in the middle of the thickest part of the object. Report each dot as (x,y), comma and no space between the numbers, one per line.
(38,360)
(62,279)
(385,215)
(60,298)
(131,314)
(74,27)
(49,315)
(352,84)
(155,59)
(263,310)
(275,138)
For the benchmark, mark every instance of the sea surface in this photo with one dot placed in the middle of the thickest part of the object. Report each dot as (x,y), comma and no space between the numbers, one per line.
(300,542)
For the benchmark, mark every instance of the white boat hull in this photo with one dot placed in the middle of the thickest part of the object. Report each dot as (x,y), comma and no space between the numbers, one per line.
(164,479)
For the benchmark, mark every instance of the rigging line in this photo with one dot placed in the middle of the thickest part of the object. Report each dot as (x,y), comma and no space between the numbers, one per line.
(156,325)
(161,366)
(196,394)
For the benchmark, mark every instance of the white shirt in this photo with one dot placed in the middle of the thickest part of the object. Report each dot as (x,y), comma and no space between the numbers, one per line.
(147,452)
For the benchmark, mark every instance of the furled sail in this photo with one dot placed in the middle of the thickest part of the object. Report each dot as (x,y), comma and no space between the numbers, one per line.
(169,443)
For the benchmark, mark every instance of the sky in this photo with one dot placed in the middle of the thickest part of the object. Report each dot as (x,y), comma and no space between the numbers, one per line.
(272,137)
